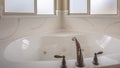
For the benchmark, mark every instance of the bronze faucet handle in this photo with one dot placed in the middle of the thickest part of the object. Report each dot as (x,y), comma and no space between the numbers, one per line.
(58,56)
(100,52)
(95,59)
(63,60)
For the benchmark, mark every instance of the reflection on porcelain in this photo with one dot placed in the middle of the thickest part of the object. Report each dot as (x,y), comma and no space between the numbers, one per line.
(104,41)
(25,44)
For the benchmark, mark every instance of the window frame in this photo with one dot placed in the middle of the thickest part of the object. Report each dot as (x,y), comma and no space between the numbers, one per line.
(88,7)
(25,13)
(88,10)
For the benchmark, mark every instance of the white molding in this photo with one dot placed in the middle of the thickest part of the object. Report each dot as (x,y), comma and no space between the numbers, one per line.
(64,12)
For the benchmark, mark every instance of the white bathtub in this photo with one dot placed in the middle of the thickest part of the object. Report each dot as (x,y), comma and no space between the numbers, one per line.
(39,51)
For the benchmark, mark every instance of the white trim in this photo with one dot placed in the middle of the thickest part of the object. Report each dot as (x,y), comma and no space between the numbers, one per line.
(65,12)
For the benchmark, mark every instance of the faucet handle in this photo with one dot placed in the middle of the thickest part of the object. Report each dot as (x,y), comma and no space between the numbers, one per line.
(58,56)
(100,52)
(95,59)
(63,60)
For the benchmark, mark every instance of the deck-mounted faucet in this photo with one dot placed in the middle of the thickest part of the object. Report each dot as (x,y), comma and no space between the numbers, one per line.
(63,65)
(80,60)
(95,59)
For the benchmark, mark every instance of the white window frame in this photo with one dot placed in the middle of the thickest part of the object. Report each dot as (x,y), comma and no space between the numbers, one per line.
(25,13)
(88,10)
(88,7)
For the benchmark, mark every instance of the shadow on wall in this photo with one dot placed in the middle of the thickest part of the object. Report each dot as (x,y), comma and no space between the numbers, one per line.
(113,29)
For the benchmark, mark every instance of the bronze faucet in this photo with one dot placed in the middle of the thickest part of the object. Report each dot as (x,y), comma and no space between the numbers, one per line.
(80,60)
(95,59)
(63,65)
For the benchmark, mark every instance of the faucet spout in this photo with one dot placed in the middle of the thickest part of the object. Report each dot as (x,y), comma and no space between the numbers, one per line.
(80,60)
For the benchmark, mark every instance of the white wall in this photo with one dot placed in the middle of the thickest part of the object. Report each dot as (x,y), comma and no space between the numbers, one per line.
(19,26)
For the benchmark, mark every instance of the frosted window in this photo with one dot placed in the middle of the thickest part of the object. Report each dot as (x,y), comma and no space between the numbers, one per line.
(103,6)
(78,6)
(19,6)
(45,6)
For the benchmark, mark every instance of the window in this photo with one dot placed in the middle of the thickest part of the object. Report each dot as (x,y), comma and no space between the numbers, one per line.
(29,6)
(45,7)
(37,7)
(78,6)
(19,6)
(95,6)
(103,6)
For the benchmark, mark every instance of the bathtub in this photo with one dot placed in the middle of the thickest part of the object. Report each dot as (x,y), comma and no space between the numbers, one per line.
(38,51)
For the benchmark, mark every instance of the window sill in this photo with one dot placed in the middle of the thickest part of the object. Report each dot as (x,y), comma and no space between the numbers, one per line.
(92,16)
(45,15)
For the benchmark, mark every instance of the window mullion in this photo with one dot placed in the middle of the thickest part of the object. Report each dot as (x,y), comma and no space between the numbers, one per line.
(88,7)
(55,4)
(35,7)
